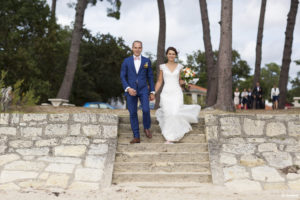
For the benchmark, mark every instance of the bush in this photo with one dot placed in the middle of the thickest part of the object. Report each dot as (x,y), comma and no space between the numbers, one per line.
(187,99)
(19,97)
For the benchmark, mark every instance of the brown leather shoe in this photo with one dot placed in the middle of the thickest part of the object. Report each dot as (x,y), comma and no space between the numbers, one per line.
(148,133)
(135,140)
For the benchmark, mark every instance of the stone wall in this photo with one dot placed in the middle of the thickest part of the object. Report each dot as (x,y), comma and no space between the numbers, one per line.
(57,151)
(254,152)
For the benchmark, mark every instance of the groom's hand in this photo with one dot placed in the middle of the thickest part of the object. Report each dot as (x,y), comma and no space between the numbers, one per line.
(152,97)
(132,92)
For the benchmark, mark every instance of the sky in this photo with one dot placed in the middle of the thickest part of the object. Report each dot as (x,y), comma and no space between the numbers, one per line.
(140,21)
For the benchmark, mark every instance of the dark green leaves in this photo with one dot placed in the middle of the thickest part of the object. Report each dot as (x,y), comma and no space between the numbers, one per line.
(114,11)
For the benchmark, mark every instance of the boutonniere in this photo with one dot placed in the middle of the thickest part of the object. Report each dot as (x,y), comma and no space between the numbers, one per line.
(146,65)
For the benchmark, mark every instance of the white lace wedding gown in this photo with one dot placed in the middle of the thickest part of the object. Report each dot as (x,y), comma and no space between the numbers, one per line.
(173,116)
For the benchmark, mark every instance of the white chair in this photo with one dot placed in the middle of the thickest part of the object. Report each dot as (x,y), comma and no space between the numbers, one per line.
(296,102)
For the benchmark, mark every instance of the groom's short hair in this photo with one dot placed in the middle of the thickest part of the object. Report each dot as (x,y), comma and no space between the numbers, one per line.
(137,41)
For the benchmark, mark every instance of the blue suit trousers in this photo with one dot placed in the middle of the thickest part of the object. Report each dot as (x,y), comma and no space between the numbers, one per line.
(132,108)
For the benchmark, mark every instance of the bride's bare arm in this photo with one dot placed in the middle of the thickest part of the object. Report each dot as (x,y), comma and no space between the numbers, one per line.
(181,82)
(159,81)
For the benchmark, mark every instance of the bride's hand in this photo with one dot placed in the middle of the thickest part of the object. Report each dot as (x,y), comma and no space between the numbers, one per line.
(181,82)
(151,97)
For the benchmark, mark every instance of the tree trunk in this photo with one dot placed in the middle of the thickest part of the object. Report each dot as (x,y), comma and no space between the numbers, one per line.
(53,8)
(286,59)
(256,77)
(66,86)
(212,76)
(161,45)
(224,97)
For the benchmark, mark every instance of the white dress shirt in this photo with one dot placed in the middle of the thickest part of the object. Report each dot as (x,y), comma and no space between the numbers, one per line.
(137,62)
(245,94)
(274,92)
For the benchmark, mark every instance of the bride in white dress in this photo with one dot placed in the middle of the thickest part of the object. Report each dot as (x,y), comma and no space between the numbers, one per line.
(173,116)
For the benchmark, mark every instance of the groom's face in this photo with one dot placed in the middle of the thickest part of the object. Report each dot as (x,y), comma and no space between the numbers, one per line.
(137,48)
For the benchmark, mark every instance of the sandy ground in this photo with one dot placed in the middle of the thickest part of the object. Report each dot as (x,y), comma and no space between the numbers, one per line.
(207,192)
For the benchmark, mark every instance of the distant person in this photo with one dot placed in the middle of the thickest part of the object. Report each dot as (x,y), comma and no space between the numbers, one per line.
(250,99)
(236,98)
(244,99)
(275,96)
(257,96)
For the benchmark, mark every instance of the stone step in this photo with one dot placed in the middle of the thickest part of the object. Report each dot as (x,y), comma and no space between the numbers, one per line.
(125,128)
(158,147)
(162,167)
(125,138)
(161,157)
(197,177)
(126,120)
(167,185)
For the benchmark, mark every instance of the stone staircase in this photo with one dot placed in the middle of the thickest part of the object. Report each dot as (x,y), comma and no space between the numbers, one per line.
(155,164)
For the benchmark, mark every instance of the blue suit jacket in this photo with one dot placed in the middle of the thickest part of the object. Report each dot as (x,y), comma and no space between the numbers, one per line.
(137,80)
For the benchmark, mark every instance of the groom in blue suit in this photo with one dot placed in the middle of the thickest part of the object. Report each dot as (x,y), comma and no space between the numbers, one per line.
(137,80)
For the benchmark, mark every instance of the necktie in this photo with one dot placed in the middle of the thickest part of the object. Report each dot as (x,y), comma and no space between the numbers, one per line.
(137,58)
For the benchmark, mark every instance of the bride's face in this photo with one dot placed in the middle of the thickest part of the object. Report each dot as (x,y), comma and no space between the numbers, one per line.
(171,55)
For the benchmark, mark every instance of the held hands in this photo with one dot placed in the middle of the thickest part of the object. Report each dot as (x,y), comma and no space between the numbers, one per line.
(152,97)
(132,92)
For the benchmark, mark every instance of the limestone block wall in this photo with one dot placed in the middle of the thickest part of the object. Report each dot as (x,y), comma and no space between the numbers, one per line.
(57,151)
(254,151)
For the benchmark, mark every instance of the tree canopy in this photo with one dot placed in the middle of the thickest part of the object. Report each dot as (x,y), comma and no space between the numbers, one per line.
(99,67)
(30,52)
(295,90)
(240,68)
(34,49)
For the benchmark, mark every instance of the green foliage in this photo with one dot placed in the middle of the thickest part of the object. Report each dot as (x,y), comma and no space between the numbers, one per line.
(245,84)
(201,101)
(29,98)
(240,68)
(114,11)
(187,99)
(98,74)
(295,90)
(2,85)
(19,98)
(296,82)
(3,75)
(17,93)
(269,76)
(33,48)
